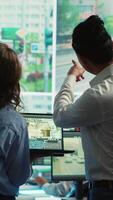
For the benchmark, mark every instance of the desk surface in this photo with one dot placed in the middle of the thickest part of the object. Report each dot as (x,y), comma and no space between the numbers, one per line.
(34,193)
(29,192)
(44,198)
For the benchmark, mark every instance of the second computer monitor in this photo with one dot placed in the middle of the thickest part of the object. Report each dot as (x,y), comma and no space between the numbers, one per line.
(70,166)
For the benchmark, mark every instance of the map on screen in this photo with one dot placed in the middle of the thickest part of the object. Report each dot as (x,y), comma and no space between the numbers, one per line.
(43,134)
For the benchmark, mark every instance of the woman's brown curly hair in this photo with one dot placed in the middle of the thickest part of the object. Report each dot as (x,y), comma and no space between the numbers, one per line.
(10,74)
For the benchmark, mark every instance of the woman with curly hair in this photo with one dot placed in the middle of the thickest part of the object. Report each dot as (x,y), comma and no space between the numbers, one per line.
(14,147)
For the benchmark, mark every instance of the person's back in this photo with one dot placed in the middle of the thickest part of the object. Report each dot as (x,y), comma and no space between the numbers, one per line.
(95,52)
(14,146)
(97,135)
(92,112)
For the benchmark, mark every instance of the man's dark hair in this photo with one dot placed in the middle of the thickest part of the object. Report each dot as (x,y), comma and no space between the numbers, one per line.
(10,74)
(91,40)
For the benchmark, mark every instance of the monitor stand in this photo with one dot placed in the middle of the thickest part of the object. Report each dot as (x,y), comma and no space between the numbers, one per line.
(79,189)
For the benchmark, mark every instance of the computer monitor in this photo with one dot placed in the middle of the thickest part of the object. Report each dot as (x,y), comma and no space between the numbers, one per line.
(71,166)
(43,134)
(42,167)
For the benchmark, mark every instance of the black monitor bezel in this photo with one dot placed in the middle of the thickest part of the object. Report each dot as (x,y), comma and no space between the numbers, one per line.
(72,130)
(67,177)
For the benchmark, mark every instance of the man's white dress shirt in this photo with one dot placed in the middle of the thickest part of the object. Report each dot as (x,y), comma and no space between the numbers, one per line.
(93,113)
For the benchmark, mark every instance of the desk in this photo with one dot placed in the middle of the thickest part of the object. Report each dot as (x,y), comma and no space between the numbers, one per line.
(34,198)
(33,193)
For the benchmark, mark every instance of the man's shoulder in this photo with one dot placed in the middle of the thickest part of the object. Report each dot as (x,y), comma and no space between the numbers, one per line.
(90,92)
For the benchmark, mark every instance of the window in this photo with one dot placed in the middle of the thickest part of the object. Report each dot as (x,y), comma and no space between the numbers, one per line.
(34,24)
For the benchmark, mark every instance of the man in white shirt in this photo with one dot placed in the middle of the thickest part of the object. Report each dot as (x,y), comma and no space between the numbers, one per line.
(93,111)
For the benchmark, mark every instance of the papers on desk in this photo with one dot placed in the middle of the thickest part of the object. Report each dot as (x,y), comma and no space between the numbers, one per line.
(32,190)
(48,198)
(38,193)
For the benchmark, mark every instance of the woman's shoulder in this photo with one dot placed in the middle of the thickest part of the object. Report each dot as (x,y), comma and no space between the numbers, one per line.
(9,116)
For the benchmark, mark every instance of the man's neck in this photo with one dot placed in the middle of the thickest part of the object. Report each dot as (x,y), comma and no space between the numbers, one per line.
(99,68)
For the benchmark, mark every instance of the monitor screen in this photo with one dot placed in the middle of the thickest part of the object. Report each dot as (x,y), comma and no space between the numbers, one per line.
(43,134)
(71,166)
(42,167)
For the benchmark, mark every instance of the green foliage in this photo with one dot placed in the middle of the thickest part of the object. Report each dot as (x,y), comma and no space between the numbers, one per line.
(109,24)
(68,17)
(32,37)
(35,86)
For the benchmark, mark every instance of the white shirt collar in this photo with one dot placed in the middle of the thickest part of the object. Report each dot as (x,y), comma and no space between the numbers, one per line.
(106,72)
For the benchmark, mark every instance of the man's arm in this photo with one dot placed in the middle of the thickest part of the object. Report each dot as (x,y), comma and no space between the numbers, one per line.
(68,113)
